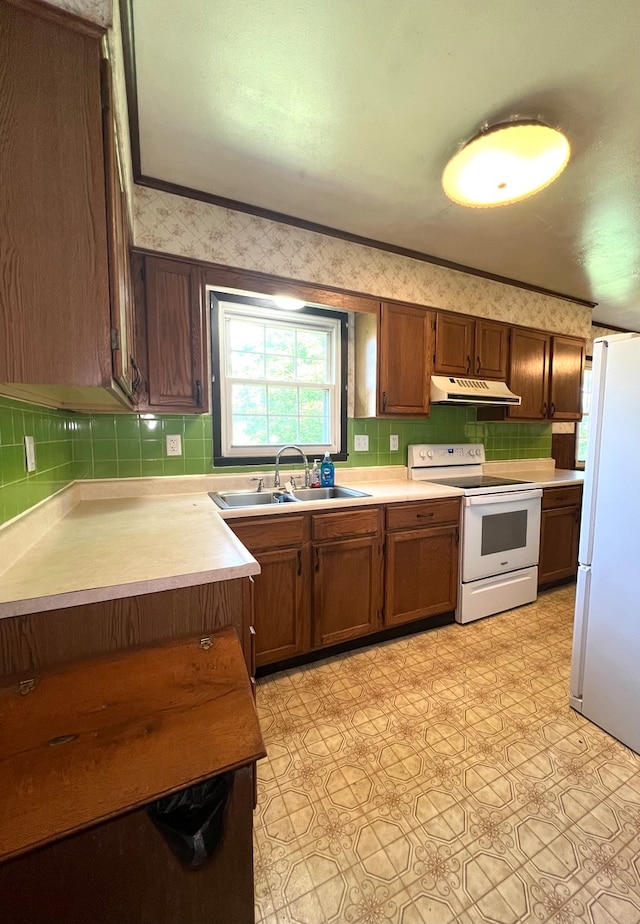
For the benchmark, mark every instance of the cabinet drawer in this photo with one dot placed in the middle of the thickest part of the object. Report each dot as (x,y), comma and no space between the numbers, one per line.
(423,513)
(345,523)
(561,497)
(278,532)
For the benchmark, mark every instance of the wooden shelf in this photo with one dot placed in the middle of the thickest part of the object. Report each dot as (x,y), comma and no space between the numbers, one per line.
(93,740)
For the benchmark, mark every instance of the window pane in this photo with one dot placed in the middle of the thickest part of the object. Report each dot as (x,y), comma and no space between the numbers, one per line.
(247,365)
(246,336)
(313,402)
(283,430)
(249,399)
(280,367)
(280,341)
(248,431)
(283,401)
(314,430)
(312,356)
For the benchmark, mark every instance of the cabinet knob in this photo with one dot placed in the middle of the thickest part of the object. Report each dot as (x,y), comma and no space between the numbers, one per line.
(552,409)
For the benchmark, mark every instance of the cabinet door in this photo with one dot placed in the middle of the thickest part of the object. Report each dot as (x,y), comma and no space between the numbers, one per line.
(346,590)
(529,373)
(567,361)
(421,574)
(559,531)
(175,326)
(278,605)
(454,345)
(54,283)
(405,359)
(279,600)
(492,350)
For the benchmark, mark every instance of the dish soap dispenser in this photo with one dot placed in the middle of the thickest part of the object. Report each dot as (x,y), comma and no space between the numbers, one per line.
(326,471)
(315,474)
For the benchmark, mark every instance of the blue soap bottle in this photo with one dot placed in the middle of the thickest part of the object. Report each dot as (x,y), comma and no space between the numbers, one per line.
(326,471)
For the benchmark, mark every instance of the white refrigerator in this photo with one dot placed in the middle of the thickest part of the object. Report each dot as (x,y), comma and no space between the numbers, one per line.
(605,663)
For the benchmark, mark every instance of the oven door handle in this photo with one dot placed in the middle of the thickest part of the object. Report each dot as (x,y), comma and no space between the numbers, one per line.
(512,497)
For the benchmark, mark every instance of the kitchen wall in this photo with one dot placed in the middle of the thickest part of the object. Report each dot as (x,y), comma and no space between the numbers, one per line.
(70,446)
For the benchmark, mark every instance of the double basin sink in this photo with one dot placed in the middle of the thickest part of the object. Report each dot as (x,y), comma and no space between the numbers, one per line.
(234,499)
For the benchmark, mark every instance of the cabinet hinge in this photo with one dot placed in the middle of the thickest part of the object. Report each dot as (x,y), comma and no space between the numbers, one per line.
(115,339)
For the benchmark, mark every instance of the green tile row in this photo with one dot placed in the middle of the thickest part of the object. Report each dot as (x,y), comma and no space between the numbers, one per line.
(76,446)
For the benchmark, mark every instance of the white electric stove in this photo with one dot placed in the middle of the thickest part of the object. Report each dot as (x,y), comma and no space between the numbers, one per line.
(500,530)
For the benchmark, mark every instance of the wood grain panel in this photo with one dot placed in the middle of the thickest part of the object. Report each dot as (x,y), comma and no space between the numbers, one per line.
(94,870)
(569,496)
(421,574)
(567,364)
(405,359)
(347,583)
(345,523)
(106,735)
(491,350)
(45,639)
(454,344)
(175,323)
(559,535)
(423,513)
(54,287)
(279,531)
(529,372)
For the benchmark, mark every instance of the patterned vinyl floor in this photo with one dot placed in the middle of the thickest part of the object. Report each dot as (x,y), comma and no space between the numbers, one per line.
(443,778)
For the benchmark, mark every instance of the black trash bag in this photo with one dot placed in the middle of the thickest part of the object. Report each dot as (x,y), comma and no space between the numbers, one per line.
(192,820)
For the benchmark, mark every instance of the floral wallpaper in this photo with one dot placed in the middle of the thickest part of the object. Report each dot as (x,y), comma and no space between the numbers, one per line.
(98,11)
(190,228)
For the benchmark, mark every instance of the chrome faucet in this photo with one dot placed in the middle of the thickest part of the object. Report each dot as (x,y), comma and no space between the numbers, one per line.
(307,476)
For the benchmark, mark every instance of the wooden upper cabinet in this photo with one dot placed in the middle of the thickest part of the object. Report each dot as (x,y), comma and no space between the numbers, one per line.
(174,324)
(491,350)
(567,363)
(405,347)
(54,278)
(546,371)
(469,347)
(454,344)
(529,372)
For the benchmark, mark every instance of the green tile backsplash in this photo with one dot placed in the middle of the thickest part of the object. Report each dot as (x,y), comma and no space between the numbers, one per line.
(70,445)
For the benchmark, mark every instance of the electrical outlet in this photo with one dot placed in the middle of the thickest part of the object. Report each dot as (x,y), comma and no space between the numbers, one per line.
(361,444)
(174,444)
(393,442)
(30,453)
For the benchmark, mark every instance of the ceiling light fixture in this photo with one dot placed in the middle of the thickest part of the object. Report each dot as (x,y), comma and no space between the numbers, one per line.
(287,303)
(505,163)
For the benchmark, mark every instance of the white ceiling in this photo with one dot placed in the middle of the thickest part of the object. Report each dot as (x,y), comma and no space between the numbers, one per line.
(344,113)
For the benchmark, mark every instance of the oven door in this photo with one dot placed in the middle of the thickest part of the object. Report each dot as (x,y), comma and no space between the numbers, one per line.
(500,533)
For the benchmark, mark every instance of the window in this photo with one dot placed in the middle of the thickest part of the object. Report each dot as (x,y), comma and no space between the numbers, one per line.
(279,377)
(582,436)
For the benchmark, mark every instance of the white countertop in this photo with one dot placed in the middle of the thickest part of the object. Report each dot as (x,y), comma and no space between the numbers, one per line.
(108,539)
(107,549)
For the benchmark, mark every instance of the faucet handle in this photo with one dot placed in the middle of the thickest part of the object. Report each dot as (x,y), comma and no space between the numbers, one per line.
(260,481)
(292,481)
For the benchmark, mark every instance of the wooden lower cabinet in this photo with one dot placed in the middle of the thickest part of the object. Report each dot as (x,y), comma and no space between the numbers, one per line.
(422,561)
(559,534)
(323,579)
(346,590)
(278,544)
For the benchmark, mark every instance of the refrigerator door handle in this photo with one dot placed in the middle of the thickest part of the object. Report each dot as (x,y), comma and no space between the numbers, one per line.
(580,627)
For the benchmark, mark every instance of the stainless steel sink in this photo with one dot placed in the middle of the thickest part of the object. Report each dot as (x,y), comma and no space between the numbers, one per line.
(226,499)
(337,491)
(229,499)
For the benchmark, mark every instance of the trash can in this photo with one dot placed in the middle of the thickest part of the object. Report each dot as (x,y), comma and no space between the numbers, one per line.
(192,820)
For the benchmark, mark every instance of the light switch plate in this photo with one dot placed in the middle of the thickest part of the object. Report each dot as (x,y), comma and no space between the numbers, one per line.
(361,444)
(30,453)
(393,442)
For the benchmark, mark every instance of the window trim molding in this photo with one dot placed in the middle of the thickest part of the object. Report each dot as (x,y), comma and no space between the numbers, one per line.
(220,460)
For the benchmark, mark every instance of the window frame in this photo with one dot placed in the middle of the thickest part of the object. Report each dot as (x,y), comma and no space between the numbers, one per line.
(217,295)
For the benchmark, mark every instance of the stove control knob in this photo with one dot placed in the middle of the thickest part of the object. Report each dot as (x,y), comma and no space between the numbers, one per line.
(422,453)
(430,453)
(471,452)
(478,453)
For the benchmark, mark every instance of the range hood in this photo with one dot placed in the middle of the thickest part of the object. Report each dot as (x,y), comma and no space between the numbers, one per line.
(449,389)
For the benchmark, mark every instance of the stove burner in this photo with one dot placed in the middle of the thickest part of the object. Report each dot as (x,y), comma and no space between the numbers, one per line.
(478,481)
